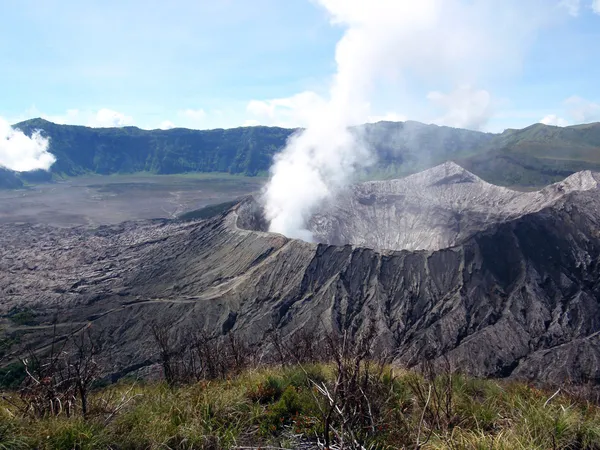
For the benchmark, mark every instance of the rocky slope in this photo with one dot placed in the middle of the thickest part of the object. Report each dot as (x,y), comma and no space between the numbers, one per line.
(516,294)
(431,210)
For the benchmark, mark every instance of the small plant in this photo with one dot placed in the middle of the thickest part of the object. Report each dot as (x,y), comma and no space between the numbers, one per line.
(352,406)
(266,392)
(304,376)
(8,437)
(282,412)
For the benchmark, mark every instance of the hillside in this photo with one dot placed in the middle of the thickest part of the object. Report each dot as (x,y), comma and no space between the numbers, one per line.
(537,155)
(82,150)
(129,149)
(499,297)
(534,156)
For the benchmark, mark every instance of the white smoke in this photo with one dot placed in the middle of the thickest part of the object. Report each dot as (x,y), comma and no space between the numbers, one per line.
(465,107)
(22,153)
(315,163)
(384,41)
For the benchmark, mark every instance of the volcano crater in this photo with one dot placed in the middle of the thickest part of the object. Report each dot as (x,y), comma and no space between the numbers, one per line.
(432,210)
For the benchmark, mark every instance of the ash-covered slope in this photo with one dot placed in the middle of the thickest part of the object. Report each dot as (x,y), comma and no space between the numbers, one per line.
(434,209)
(519,297)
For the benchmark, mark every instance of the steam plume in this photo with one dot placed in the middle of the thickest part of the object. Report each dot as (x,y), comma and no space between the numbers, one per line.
(21,153)
(386,40)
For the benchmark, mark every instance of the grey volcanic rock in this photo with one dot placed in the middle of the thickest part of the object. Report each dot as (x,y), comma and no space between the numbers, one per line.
(514,291)
(434,209)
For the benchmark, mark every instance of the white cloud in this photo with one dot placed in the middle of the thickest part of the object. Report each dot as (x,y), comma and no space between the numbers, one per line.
(72,116)
(22,153)
(191,118)
(298,110)
(288,112)
(582,110)
(166,125)
(109,118)
(103,117)
(207,119)
(571,6)
(465,107)
(554,120)
(388,117)
(197,115)
(437,42)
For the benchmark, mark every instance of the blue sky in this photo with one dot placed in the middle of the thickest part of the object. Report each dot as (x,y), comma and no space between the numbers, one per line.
(221,63)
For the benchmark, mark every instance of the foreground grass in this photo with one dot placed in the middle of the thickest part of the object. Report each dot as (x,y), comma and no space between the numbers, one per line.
(280,407)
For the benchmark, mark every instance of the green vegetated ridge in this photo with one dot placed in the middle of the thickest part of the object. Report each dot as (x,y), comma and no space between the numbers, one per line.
(81,150)
(538,155)
(534,156)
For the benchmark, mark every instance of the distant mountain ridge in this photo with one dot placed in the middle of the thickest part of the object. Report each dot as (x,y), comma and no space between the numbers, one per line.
(538,155)
(534,156)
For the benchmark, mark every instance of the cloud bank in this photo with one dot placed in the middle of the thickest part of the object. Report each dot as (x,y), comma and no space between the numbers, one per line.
(21,153)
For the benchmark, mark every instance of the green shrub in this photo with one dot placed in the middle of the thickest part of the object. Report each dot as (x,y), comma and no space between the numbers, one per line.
(267,392)
(304,376)
(12,376)
(288,406)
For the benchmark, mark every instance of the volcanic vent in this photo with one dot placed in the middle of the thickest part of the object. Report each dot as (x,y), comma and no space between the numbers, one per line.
(431,210)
